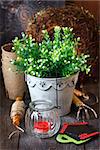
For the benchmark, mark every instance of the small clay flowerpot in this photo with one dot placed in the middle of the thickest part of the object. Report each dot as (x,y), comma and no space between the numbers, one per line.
(13,80)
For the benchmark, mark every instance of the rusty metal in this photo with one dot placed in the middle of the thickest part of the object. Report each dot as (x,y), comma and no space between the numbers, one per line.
(19,129)
(86,108)
(82,107)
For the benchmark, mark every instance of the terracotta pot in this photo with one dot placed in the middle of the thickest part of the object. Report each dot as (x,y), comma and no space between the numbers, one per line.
(13,80)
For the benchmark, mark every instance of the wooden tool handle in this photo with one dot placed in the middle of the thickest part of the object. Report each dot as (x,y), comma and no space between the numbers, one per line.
(78,93)
(77,101)
(19,98)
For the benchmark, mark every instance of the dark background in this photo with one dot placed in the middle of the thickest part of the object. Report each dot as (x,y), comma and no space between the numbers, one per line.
(14,14)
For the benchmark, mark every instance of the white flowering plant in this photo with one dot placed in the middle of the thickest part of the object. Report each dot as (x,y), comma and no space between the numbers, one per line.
(52,57)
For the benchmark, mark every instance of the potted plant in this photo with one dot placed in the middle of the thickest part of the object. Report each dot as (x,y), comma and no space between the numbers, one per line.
(51,66)
(14,81)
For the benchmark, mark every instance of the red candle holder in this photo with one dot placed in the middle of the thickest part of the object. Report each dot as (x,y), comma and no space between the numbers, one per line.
(42,126)
(45,120)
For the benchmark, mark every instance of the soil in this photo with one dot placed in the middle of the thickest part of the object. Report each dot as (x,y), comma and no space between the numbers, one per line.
(8,47)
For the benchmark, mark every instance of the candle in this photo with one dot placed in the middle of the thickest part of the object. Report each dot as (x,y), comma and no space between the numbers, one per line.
(41,126)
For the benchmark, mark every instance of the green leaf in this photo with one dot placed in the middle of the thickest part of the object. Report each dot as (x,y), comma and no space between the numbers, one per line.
(51,57)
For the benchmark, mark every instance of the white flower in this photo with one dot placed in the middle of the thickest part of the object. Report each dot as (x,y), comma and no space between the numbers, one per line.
(43,31)
(71,29)
(78,39)
(57,27)
(65,61)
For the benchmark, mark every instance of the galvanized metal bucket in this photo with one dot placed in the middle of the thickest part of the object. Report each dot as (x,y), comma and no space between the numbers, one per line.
(57,90)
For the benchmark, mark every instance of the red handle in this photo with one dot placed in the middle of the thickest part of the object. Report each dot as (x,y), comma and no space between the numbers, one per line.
(85,135)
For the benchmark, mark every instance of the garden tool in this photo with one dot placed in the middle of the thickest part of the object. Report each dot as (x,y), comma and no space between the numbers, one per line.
(80,93)
(76,132)
(82,107)
(64,138)
(87,97)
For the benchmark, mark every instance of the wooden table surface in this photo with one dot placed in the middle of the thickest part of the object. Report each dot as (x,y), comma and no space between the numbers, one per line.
(24,141)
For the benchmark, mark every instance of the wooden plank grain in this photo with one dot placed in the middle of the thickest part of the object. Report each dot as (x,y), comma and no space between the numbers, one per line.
(31,143)
(94,143)
(28,142)
(5,123)
(71,146)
